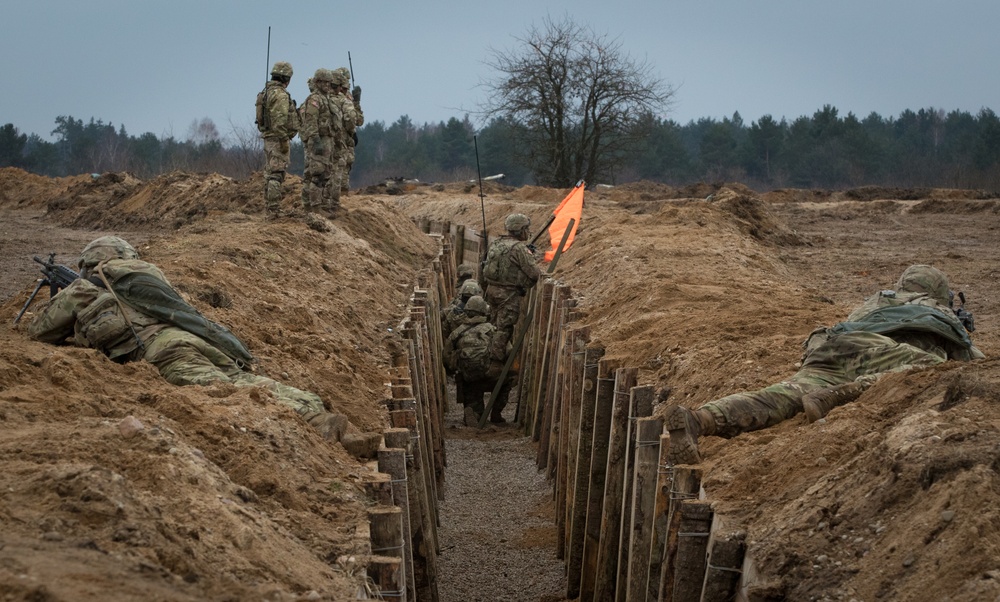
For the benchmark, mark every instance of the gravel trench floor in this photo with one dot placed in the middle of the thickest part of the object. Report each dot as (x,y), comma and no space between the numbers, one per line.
(497,536)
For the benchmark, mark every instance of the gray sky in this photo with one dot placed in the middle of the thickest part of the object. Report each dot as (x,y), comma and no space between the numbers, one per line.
(156,66)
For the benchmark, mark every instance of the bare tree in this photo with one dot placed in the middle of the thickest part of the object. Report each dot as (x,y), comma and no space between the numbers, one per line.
(576,98)
(247,148)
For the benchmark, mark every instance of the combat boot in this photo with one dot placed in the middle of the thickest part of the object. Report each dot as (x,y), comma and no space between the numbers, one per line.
(471,418)
(819,403)
(361,445)
(331,426)
(684,427)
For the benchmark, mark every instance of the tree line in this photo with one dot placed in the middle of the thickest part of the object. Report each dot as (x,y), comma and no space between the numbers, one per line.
(924,148)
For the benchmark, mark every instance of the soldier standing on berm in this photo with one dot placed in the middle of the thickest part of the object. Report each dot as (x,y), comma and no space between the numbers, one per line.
(278,122)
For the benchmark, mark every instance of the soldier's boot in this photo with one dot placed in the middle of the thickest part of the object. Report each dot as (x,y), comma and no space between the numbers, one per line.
(315,198)
(307,186)
(362,445)
(496,415)
(331,426)
(684,427)
(819,403)
(471,418)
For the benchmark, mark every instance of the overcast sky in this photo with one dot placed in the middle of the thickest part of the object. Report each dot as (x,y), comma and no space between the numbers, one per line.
(156,66)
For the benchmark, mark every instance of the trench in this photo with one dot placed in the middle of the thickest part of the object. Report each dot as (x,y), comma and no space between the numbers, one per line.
(571,498)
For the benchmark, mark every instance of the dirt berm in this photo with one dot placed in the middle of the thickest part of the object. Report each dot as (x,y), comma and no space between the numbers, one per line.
(226,495)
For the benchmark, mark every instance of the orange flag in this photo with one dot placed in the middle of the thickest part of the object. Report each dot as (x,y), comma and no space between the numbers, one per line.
(571,208)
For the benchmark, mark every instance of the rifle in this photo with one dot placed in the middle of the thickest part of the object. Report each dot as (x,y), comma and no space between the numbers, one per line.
(56,276)
(482,204)
(964,316)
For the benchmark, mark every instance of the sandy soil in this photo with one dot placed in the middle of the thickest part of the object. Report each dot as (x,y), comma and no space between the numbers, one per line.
(225,495)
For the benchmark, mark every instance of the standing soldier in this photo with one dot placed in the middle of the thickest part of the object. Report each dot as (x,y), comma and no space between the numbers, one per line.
(352,136)
(321,123)
(510,271)
(346,108)
(278,122)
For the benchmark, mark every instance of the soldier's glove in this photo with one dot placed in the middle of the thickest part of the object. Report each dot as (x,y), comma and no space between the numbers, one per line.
(356,93)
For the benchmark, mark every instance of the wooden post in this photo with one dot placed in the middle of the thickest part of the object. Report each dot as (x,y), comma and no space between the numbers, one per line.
(543,355)
(388,575)
(581,476)
(614,487)
(694,527)
(685,485)
(574,351)
(393,462)
(386,530)
(661,507)
(598,474)
(647,453)
(725,561)
(640,406)
(378,488)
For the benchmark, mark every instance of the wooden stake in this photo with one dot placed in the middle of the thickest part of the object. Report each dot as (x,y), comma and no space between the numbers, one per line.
(565,475)
(685,485)
(647,453)
(581,476)
(388,575)
(393,462)
(640,406)
(694,527)
(614,486)
(725,562)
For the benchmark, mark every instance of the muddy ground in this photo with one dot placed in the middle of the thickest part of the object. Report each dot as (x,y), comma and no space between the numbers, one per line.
(226,495)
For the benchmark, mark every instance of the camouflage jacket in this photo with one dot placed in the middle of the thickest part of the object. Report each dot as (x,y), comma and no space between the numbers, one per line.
(916,319)
(348,119)
(510,263)
(320,118)
(88,315)
(283,118)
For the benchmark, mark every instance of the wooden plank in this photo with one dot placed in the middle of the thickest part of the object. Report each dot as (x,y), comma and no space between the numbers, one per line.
(387,575)
(647,455)
(726,551)
(573,350)
(640,406)
(393,462)
(581,472)
(603,403)
(614,487)
(694,528)
(685,484)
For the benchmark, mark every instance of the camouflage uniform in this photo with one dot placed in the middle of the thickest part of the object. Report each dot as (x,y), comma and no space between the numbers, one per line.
(345,133)
(357,120)
(281,123)
(510,271)
(453,315)
(181,357)
(321,125)
(892,331)
(476,352)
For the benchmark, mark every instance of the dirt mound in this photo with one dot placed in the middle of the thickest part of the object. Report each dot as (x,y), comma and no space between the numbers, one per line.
(956,206)
(19,188)
(795,195)
(868,193)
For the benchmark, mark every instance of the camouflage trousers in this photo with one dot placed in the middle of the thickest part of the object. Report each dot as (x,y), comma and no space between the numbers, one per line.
(185,359)
(320,173)
(471,393)
(276,158)
(345,174)
(505,309)
(839,360)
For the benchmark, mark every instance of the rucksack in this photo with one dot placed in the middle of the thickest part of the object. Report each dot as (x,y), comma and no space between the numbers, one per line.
(263,119)
(474,353)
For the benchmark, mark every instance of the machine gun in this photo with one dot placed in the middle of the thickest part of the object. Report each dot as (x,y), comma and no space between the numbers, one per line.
(964,316)
(56,276)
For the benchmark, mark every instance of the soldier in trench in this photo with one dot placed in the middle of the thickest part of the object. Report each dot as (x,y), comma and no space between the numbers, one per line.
(892,331)
(125,308)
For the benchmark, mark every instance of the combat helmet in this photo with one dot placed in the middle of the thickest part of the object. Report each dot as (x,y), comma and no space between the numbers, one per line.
(477,305)
(341,77)
(323,75)
(925,279)
(470,288)
(516,222)
(103,249)
(466,270)
(283,69)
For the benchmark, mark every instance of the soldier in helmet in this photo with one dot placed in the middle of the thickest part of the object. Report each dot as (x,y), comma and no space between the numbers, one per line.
(454,313)
(357,119)
(338,96)
(464,272)
(125,308)
(510,271)
(894,330)
(278,122)
(321,125)
(476,353)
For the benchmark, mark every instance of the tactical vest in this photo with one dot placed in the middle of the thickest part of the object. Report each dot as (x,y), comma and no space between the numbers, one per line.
(499,269)
(105,325)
